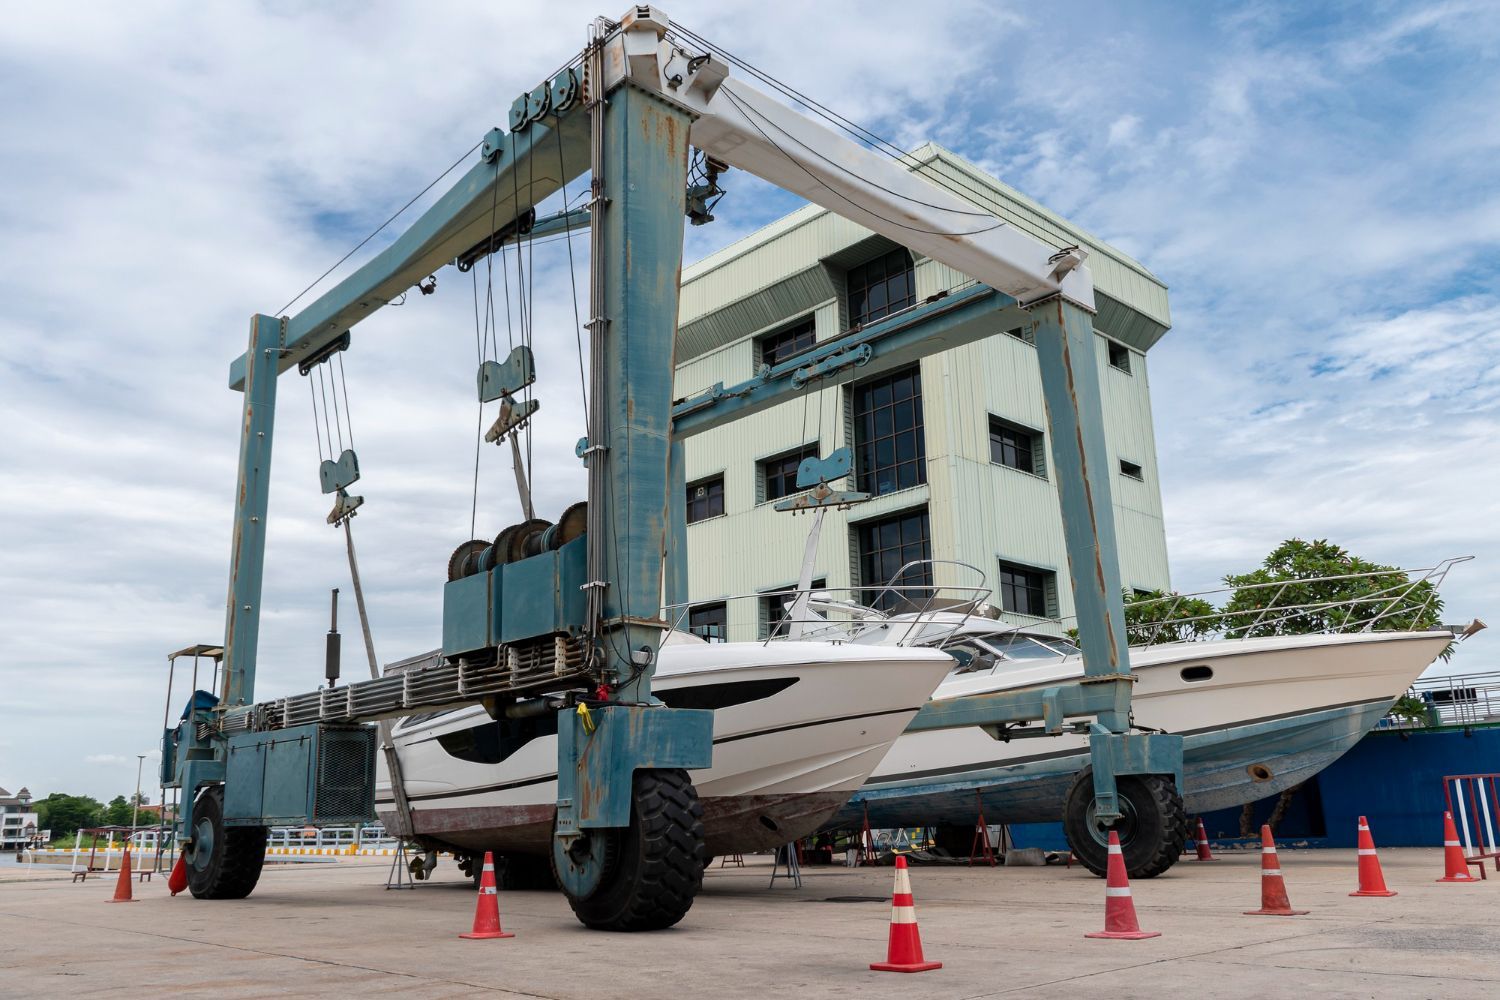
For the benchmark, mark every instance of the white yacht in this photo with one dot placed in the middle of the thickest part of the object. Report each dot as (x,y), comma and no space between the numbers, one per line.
(798,727)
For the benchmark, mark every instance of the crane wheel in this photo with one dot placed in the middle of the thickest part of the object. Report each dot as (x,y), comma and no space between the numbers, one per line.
(226,860)
(656,863)
(1152,828)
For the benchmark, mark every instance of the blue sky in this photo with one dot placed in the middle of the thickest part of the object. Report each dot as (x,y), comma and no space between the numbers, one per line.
(1319,191)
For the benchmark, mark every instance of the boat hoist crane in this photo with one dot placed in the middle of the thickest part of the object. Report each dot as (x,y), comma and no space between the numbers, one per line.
(566,617)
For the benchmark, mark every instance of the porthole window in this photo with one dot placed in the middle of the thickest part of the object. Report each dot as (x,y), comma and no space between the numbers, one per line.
(1198,673)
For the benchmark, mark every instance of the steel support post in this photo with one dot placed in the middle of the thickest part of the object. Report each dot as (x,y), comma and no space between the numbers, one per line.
(639,227)
(247,554)
(676,555)
(1080,461)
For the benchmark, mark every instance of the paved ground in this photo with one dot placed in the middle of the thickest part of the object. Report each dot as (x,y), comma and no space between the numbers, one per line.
(333,930)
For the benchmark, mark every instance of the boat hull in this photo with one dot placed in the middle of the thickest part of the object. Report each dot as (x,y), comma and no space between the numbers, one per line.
(784,762)
(1272,714)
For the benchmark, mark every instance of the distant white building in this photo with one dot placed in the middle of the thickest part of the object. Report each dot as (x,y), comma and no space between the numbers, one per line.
(954,448)
(18,822)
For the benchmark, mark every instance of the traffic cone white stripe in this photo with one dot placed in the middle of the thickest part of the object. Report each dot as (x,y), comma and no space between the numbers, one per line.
(1268,850)
(1450,843)
(1113,890)
(903,914)
(1271,871)
(903,882)
(1366,852)
(1115,849)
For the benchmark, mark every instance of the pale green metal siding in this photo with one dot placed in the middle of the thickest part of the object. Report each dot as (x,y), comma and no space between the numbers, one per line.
(980,513)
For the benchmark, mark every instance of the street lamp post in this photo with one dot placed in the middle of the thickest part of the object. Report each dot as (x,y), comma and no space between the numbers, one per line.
(140,762)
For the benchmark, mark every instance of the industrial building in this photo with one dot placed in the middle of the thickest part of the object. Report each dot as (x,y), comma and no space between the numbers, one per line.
(18,820)
(953,449)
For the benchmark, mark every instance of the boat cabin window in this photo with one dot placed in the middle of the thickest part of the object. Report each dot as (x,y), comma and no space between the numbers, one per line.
(1016,646)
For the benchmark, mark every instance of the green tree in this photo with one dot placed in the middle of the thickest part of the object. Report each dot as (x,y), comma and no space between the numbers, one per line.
(1157,616)
(117,813)
(1367,593)
(64,814)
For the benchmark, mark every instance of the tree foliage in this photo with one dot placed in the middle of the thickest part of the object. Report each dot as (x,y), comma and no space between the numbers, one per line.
(117,813)
(64,814)
(1366,593)
(1153,617)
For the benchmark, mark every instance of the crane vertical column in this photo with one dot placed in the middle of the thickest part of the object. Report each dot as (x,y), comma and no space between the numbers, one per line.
(247,555)
(1066,349)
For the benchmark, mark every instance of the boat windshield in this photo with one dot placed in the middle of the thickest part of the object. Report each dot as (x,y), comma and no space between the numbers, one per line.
(979,654)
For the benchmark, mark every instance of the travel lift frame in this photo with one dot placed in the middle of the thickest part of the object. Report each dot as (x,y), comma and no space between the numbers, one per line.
(559,612)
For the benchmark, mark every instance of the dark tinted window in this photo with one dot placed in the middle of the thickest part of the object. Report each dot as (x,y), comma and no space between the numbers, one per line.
(779,474)
(1024,590)
(884,547)
(705,499)
(708,621)
(492,742)
(788,343)
(890,450)
(1015,446)
(880,287)
(724,695)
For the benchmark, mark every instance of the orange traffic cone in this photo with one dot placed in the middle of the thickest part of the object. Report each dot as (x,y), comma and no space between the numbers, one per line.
(903,953)
(177,881)
(1204,854)
(487,910)
(1273,901)
(1371,879)
(122,884)
(1455,868)
(1119,908)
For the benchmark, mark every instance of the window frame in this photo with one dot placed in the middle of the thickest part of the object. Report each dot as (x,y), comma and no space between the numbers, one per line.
(864,314)
(1045,589)
(869,590)
(1117,349)
(722,607)
(865,417)
(1139,475)
(1036,449)
(796,329)
(768,612)
(763,475)
(688,499)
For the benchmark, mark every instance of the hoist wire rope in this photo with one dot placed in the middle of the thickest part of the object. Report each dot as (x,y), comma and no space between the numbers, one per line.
(479,428)
(583,387)
(854,129)
(348,414)
(295,299)
(323,391)
(338,422)
(316,436)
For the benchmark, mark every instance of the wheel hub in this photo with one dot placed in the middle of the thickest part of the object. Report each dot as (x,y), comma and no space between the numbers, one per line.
(1125,827)
(203,843)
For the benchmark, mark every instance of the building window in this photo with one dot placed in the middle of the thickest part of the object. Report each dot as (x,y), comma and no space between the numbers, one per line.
(705,499)
(708,621)
(1131,470)
(1027,591)
(1025,334)
(885,546)
(890,452)
(1119,356)
(776,605)
(774,348)
(778,476)
(880,287)
(1018,447)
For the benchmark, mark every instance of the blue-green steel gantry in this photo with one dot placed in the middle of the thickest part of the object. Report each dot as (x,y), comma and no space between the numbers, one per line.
(628,113)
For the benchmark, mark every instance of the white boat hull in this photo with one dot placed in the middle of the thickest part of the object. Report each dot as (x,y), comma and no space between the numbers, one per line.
(1274,712)
(783,763)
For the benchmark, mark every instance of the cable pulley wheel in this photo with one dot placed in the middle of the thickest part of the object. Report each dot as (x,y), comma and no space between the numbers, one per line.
(573,523)
(465,559)
(520,540)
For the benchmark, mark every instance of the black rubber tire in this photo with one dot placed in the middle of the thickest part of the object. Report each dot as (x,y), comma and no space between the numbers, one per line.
(1152,832)
(657,866)
(237,855)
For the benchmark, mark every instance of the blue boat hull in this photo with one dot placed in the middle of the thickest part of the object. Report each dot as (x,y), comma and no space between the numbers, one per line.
(1221,768)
